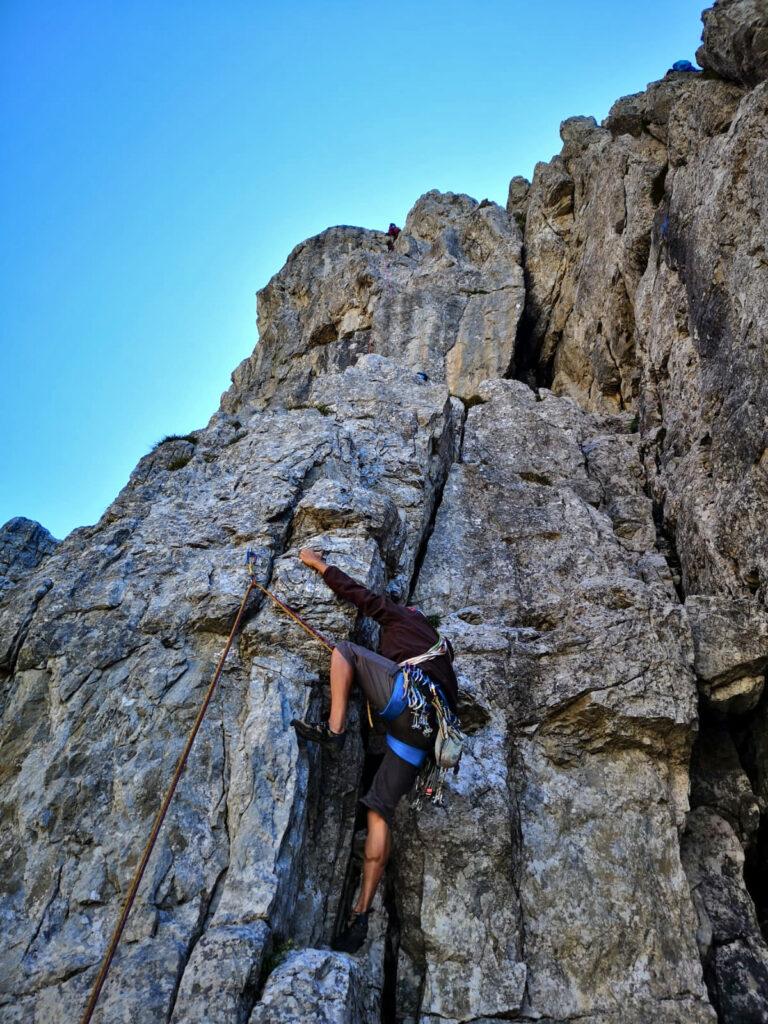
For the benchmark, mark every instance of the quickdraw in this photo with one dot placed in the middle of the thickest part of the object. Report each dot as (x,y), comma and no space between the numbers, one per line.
(421,693)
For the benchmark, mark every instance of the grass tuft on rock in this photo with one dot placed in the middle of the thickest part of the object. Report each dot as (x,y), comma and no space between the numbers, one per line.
(174,437)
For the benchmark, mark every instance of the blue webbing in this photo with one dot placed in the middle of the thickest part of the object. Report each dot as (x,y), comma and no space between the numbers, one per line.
(396,703)
(408,753)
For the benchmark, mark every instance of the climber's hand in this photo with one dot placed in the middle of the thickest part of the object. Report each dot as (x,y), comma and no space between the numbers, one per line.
(312,558)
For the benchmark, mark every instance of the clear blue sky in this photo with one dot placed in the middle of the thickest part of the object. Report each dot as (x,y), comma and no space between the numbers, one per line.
(159,159)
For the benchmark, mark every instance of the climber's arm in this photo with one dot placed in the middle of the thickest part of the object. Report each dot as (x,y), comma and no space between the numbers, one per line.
(377,606)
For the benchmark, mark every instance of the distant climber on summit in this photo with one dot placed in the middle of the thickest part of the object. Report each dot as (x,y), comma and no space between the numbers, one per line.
(392,233)
(401,685)
(685,66)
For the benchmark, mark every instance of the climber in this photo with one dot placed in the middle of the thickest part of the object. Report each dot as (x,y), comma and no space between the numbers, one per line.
(406,636)
(392,234)
(683,65)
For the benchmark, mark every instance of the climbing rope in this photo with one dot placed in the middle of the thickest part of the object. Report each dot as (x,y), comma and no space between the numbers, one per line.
(250,560)
(160,816)
(253,584)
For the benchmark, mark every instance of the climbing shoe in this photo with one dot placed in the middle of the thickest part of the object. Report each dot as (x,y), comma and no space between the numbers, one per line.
(353,936)
(319,732)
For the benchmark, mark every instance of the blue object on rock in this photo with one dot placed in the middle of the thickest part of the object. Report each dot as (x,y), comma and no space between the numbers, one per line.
(683,65)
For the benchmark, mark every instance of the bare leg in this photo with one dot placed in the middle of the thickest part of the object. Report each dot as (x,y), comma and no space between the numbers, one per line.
(377,847)
(342,675)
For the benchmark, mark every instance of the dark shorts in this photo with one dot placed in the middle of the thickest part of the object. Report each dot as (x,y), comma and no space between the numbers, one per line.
(375,675)
(393,779)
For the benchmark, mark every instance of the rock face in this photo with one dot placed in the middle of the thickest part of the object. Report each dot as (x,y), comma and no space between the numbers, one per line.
(546,426)
(735,40)
(23,546)
(724,819)
(446,301)
(313,985)
(587,234)
(730,640)
(574,644)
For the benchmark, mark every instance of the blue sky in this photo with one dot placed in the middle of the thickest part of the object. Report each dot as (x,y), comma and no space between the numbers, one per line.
(159,160)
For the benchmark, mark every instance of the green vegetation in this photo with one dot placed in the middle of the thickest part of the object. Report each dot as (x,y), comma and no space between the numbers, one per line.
(279,952)
(174,437)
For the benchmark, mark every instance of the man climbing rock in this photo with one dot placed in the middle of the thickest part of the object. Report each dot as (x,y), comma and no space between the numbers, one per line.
(398,700)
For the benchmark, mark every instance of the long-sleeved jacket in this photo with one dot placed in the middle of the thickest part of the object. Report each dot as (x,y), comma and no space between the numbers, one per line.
(404,632)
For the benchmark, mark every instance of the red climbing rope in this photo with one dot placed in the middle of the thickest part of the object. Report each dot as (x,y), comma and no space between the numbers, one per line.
(296,616)
(160,817)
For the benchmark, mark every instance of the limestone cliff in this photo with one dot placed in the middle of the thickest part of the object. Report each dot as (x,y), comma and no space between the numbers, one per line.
(548,425)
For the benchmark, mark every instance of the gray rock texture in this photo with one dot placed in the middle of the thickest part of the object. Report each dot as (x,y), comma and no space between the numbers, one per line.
(445,302)
(23,546)
(546,425)
(109,654)
(575,646)
(313,985)
(724,820)
(735,40)
(730,639)
(587,234)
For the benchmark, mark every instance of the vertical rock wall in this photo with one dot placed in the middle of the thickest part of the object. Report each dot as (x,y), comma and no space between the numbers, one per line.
(591,535)
(678,242)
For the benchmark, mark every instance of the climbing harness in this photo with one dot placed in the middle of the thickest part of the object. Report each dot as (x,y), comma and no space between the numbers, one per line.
(420,692)
(413,755)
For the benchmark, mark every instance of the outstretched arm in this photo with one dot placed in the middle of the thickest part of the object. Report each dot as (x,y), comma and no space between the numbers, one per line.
(377,606)
(313,560)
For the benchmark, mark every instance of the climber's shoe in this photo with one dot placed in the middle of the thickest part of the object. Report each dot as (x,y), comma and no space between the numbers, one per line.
(319,732)
(353,936)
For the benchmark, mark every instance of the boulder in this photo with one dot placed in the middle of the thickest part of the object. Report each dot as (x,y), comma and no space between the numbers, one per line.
(735,40)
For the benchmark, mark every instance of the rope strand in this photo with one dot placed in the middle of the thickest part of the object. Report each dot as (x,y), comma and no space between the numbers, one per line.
(181,764)
(294,615)
(160,817)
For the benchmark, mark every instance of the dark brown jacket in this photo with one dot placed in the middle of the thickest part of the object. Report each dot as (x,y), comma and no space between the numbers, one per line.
(404,632)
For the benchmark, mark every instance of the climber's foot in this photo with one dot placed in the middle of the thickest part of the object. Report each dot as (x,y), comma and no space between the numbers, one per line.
(353,936)
(319,732)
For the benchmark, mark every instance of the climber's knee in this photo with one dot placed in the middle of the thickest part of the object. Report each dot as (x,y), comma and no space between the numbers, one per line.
(343,650)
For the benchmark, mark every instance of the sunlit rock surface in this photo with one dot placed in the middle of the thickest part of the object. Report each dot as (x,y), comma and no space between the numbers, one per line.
(546,426)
